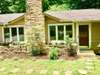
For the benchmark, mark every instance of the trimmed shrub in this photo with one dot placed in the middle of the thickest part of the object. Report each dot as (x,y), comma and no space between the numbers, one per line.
(97,49)
(53,54)
(72,47)
(35,52)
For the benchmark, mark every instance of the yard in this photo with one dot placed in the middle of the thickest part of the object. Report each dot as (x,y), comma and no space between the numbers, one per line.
(30,66)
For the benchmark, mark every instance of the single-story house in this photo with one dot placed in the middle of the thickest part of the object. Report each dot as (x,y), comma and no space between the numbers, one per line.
(83,26)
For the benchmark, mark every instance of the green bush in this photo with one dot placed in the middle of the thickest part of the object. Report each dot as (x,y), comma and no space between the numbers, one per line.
(35,52)
(71,46)
(53,54)
(96,49)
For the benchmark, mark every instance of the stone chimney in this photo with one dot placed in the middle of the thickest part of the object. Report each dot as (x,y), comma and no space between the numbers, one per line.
(34,19)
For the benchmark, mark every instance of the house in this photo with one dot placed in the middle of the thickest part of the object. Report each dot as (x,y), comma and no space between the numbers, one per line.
(83,25)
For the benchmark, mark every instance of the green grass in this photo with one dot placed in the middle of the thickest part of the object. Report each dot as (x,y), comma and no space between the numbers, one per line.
(51,65)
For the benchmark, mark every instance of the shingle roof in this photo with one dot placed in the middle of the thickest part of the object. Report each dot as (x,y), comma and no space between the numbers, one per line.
(5,18)
(77,15)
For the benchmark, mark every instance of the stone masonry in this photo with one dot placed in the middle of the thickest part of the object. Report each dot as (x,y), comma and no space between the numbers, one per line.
(34,20)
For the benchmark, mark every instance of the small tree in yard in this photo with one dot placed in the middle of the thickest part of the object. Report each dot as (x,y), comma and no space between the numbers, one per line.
(71,46)
(53,54)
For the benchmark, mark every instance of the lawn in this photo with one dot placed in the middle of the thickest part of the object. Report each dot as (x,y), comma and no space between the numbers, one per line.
(27,65)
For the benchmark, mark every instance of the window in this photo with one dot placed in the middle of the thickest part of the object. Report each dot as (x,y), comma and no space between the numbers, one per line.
(14,34)
(21,33)
(52,33)
(6,34)
(69,31)
(59,32)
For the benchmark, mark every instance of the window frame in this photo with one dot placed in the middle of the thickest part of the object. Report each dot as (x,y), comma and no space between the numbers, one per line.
(10,30)
(56,26)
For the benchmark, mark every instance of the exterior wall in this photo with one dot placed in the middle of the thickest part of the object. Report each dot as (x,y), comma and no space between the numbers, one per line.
(18,22)
(95,32)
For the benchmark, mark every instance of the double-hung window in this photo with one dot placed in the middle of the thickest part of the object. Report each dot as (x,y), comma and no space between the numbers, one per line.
(15,34)
(58,32)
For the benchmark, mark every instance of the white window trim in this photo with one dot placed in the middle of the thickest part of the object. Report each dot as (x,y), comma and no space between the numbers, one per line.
(18,34)
(10,34)
(56,25)
(77,32)
(15,26)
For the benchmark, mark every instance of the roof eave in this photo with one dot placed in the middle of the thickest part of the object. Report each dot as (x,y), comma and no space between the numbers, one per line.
(65,20)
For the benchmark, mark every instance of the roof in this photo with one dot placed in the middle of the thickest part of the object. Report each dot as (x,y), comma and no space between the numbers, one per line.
(6,18)
(76,15)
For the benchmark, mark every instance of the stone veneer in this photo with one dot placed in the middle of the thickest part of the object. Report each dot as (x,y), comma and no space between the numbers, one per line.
(34,19)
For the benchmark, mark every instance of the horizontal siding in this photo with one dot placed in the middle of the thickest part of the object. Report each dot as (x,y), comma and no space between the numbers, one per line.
(95,31)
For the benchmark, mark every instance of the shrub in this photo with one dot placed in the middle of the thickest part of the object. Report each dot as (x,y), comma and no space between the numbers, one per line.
(71,46)
(35,52)
(72,51)
(53,54)
(43,48)
(40,49)
(97,50)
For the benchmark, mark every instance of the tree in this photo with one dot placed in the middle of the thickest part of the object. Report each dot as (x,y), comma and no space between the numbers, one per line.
(70,4)
(84,4)
(4,6)
(12,6)
(17,6)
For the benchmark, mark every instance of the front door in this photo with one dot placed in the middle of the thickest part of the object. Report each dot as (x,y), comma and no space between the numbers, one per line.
(83,35)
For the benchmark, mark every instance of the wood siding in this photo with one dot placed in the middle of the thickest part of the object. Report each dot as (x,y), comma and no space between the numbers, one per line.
(95,33)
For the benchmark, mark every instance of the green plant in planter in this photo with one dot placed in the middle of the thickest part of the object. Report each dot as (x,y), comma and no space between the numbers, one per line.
(97,50)
(53,54)
(71,46)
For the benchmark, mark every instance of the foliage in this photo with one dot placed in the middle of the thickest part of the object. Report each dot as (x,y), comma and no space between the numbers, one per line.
(97,49)
(55,5)
(53,54)
(71,4)
(59,7)
(84,4)
(35,51)
(71,46)
(12,6)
